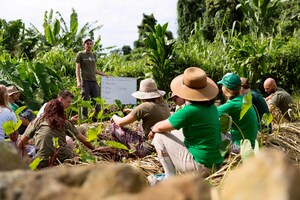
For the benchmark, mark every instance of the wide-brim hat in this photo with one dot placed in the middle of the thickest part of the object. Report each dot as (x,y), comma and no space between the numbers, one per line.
(194,85)
(12,90)
(148,90)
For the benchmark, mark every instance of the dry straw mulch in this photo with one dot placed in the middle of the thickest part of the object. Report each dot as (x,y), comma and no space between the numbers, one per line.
(285,138)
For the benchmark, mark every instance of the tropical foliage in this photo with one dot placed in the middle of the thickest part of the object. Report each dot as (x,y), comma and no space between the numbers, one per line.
(255,39)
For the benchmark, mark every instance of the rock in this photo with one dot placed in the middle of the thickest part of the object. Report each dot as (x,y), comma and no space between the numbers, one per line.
(186,187)
(268,175)
(10,158)
(79,182)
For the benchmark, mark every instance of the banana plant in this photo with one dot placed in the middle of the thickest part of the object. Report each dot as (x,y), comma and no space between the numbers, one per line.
(36,81)
(57,33)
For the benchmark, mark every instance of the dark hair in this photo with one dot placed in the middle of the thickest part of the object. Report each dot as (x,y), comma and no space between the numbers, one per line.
(158,99)
(54,114)
(65,93)
(246,84)
(204,103)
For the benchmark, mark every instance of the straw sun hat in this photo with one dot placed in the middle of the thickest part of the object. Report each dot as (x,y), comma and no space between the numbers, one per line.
(148,90)
(12,90)
(194,85)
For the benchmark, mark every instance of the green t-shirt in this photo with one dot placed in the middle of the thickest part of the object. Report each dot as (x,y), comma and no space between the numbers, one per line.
(150,113)
(13,106)
(202,133)
(259,102)
(43,135)
(248,124)
(87,63)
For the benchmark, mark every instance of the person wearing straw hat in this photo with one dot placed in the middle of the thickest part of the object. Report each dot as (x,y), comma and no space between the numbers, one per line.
(26,116)
(152,109)
(245,128)
(199,150)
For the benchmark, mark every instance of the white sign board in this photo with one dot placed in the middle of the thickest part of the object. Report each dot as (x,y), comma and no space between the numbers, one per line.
(120,88)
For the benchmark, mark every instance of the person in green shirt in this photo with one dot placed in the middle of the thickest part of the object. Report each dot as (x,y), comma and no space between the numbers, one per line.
(245,128)
(258,101)
(200,148)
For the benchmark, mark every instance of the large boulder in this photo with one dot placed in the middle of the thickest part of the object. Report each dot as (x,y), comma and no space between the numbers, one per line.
(79,182)
(10,159)
(187,187)
(268,175)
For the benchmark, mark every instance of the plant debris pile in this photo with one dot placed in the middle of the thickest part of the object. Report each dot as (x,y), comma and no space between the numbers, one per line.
(285,138)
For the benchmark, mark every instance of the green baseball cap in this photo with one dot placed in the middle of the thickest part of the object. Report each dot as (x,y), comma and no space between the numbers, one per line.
(231,81)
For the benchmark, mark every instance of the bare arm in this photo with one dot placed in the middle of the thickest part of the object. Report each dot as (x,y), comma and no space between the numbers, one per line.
(22,143)
(161,127)
(83,140)
(14,136)
(25,122)
(78,75)
(122,121)
(100,73)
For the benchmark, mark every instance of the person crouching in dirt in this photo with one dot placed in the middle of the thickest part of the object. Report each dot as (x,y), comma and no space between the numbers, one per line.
(152,110)
(51,125)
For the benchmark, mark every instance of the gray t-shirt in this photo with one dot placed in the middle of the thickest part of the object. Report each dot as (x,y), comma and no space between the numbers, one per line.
(87,63)
(43,135)
(282,100)
(150,113)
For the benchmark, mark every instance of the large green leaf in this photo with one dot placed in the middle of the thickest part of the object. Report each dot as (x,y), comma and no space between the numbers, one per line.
(266,119)
(56,29)
(247,103)
(49,34)
(115,144)
(92,134)
(246,149)
(10,127)
(55,142)
(33,165)
(73,22)
(225,122)
(20,109)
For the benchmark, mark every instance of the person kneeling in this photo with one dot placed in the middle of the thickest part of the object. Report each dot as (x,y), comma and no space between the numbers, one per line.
(52,124)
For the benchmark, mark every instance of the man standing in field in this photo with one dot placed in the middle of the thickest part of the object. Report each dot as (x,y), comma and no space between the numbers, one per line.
(278,97)
(86,76)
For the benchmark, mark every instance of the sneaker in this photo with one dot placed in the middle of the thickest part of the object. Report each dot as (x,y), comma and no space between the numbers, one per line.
(154,179)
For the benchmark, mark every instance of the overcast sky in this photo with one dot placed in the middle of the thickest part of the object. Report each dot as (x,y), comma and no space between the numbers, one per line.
(119,18)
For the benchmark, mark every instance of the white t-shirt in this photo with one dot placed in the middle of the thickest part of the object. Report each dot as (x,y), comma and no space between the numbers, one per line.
(41,111)
(5,116)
